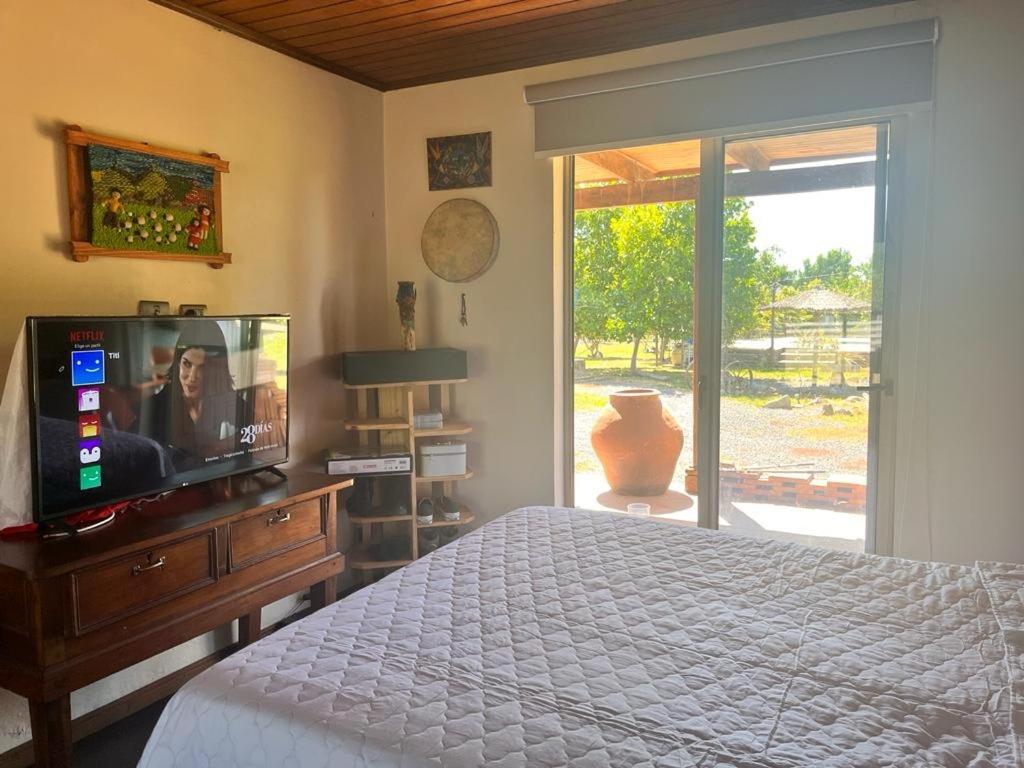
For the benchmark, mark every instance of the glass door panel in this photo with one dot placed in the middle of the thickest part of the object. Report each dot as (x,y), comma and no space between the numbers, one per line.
(632,352)
(804,223)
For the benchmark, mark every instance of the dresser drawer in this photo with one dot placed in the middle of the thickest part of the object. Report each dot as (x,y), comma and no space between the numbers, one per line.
(261,536)
(113,590)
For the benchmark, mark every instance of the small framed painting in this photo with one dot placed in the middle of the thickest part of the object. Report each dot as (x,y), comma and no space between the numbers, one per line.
(133,200)
(459,162)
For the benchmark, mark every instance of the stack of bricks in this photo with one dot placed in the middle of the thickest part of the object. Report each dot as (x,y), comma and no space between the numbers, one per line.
(794,490)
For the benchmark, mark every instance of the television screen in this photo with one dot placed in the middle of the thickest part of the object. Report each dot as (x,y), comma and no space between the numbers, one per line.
(125,407)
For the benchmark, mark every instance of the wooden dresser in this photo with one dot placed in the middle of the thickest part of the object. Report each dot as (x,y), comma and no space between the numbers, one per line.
(75,610)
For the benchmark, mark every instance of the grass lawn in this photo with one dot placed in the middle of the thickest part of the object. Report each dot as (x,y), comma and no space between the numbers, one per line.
(612,369)
(615,358)
(588,401)
(110,237)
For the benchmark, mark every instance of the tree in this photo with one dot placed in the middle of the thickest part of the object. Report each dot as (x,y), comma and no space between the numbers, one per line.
(655,272)
(747,275)
(594,258)
(634,274)
(836,271)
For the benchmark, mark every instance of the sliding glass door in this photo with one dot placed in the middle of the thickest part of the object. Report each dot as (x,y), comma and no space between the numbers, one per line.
(799,330)
(731,289)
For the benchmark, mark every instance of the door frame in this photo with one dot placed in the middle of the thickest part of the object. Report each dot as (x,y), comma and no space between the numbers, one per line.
(568,330)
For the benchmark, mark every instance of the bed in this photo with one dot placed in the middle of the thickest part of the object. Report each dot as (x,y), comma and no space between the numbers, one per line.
(554,637)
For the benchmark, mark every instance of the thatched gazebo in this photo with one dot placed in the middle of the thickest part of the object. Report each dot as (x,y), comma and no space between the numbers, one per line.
(820,301)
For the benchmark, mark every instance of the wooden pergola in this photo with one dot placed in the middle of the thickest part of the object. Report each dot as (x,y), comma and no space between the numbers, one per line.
(665,173)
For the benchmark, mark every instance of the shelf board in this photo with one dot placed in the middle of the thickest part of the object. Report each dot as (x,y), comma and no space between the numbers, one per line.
(360,561)
(451,427)
(445,478)
(465,517)
(370,519)
(371,425)
(405,384)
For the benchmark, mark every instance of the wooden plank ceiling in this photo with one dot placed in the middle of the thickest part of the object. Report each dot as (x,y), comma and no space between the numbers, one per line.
(390,44)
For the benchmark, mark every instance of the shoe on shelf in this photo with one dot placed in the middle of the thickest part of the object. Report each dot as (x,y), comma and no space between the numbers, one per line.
(425,512)
(447,535)
(429,541)
(360,502)
(449,509)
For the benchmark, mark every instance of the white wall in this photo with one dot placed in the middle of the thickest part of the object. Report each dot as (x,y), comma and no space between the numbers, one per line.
(962,418)
(303,203)
(973,287)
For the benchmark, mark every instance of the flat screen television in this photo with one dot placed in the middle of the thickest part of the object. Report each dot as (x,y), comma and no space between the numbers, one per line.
(129,407)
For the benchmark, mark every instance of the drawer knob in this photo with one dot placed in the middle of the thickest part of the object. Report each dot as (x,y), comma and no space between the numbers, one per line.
(279,518)
(136,570)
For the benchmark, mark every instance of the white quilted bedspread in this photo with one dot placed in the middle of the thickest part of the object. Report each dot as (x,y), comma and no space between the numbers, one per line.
(556,637)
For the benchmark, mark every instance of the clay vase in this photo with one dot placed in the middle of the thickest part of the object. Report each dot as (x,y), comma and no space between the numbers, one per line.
(638,443)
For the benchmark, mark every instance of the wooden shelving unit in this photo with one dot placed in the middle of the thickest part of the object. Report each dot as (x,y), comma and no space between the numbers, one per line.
(360,560)
(384,418)
(373,519)
(374,425)
(445,478)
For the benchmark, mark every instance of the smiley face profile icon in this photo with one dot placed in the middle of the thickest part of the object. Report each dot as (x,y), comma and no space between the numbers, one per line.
(87,367)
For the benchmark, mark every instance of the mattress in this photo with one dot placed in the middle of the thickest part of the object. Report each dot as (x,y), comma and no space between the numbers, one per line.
(555,637)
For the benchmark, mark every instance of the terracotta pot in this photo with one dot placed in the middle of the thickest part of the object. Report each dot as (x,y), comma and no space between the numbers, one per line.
(638,443)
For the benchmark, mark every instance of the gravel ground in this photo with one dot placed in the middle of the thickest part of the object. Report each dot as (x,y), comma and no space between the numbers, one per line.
(751,435)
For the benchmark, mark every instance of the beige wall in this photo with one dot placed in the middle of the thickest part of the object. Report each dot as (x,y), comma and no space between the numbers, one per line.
(961,328)
(303,204)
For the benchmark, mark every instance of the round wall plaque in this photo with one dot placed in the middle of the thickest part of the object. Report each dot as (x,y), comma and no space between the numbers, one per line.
(460,240)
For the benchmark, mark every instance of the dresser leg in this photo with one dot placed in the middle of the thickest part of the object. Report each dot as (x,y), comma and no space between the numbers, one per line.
(249,627)
(51,732)
(323,593)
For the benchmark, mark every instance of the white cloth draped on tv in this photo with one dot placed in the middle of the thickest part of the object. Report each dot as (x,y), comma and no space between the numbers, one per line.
(15,449)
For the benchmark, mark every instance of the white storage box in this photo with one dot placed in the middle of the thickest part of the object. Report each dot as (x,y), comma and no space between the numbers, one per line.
(441,459)
(428,420)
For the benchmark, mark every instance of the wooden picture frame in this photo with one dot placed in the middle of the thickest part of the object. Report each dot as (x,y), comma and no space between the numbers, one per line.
(81,203)
(459,162)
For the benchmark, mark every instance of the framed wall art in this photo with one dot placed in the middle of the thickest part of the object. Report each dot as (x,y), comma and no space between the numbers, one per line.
(133,200)
(459,162)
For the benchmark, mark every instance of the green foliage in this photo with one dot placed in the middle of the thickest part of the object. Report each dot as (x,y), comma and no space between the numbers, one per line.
(747,274)
(836,271)
(654,277)
(593,284)
(634,272)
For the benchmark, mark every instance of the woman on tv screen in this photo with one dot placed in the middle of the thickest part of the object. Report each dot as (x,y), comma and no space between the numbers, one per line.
(199,408)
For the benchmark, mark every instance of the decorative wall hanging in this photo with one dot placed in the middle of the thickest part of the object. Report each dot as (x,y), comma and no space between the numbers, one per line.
(460,240)
(406,300)
(459,162)
(133,200)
